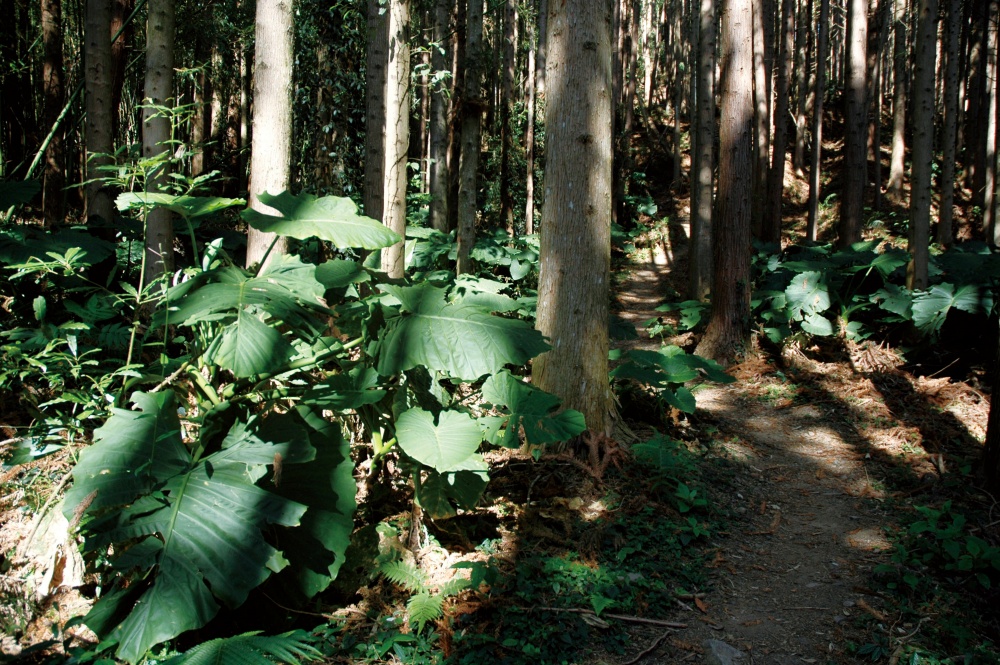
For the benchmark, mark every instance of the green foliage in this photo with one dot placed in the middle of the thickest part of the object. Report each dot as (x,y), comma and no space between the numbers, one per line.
(819,291)
(665,373)
(294,647)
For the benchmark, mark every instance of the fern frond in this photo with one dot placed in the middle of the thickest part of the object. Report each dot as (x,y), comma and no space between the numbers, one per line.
(454,586)
(424,607)
(251,649)
(405,574)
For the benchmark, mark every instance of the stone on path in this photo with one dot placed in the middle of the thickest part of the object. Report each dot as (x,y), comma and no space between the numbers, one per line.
(718,652)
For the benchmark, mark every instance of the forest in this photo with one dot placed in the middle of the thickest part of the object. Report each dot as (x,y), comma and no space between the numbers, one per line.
(513,331)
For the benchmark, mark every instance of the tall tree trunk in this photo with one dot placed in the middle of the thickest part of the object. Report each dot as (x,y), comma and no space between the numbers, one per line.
(703,167)
(576,233)
(120,48)
(156,133)
(762,114)
(506,130)
(804,63)
(376,60)
(54,176)
(877,34)
(397,133)
(978,96)
(990,227)
(949,148)
(439,178)
(852,205)
(100,137)
(540,57)
(472,111)
(270,161)
(772,226)
(529,136)
(923,144)
(894,190)
(816,160)
(728,331)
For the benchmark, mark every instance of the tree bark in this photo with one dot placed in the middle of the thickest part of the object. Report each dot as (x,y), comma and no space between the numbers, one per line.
(506,130)
(762,115)
(376,59)
(894,189)
(100,137)
(54,175)
(852,204)
(270,161)
(703,166)
(576,235)
(472,111)
(804,63)
(923,144)
(990,227)
(949,147)
(156,133)
(775,188)
(728,331)
(815,160)
(397,133)
(439,178)
(529,136)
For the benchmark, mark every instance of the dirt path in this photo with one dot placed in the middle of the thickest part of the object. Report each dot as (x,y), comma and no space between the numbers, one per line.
(793,570)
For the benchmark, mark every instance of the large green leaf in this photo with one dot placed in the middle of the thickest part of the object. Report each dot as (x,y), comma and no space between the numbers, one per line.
(931,307)
(444,445)
(251,649)
(807,293)
(344,392)
(462,339)
(15,192)
(188,207)
(531,408)
(249,346)
(331,218)
(195,529)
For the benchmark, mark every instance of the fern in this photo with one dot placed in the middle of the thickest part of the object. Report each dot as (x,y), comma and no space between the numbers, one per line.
(424,607)
(405,574)
(251,649)
(454,586)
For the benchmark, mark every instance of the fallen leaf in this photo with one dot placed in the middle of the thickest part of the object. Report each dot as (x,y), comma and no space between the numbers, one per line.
(701,605)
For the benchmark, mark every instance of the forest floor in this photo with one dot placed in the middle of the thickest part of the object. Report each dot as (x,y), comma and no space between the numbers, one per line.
(828,451)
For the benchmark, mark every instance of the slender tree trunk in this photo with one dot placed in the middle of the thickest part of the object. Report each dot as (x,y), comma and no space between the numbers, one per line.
(804,62)
(156,133)
(817,151)
(923,144)
(472,111)
(852,205)
(506,130)
(397,133)
(762,115)
(100,139)
(978,96)
(945,232)
(990,228)
(877,34)
(529,136)
(376,59)
(703,166)
(54,176)
(270,161)
(439,178)
(120,48)
(728,331)
(576,233)
(894,190)
(772,227)
(540,55)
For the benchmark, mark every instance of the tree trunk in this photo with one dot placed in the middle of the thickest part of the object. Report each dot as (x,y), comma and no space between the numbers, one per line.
(506,130)
(894,190)
(804,62)
(439,178)
(949,148)
(54,176)
(978,96)
(120,48)
(472,111)
(529,136)
(923,144)
(376,59)
(762,115)
(728,331)
(100,139)
(852,205)
(815,160)
(576,235)
(270,160)
(397,133)
(990,227)
(156,133)
(703,166)
(990,463)
(775,188)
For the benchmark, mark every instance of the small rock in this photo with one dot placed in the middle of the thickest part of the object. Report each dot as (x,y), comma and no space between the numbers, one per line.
(718,652)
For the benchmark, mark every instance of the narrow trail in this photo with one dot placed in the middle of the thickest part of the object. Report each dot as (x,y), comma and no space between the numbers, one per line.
(791,574)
